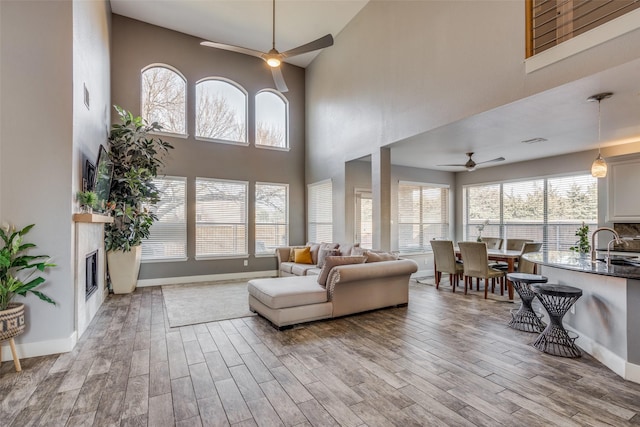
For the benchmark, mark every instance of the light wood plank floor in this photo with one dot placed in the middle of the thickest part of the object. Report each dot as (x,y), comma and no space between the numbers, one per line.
(446,359)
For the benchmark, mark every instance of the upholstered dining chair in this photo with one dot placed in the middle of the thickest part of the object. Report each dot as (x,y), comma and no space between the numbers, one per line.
(516,244)
(444,260)
(522,266)
(492,242)
(476,264)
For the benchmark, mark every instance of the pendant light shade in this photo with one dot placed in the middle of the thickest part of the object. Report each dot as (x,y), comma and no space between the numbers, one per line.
(599,165)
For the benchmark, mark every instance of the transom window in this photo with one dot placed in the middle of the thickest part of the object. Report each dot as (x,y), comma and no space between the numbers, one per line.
(272,112)
(547,210)
(221,111)
(221,218)
(168,234)
(164,98)
(272,217)
(423,215)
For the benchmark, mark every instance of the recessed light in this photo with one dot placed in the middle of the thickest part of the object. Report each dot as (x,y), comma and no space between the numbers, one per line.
(534,140)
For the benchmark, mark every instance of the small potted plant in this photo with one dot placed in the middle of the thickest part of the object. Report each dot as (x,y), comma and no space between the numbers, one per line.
(17,271)
(87,200)
(582,245)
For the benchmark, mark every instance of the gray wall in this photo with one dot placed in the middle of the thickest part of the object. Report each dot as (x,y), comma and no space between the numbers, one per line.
(442,61)
(40,167)
(136,45)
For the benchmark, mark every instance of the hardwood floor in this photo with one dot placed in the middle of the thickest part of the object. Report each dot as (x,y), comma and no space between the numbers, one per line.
(446,359)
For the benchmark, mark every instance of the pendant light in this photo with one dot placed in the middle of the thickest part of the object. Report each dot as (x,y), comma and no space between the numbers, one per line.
(599,166)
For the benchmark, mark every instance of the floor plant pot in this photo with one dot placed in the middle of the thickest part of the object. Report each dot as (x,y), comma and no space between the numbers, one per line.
(123,269)
(12,324)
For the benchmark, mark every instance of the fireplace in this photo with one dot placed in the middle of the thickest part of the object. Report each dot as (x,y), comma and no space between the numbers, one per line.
(91,269)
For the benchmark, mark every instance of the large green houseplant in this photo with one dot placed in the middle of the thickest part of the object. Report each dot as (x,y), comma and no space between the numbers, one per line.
(137,157)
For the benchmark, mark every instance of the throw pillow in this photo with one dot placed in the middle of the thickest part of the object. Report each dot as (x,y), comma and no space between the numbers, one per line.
(325,252)
(292,253)
(332,261)
(315,249)
(303,255)
(373,256)
(358,251)
(346,249)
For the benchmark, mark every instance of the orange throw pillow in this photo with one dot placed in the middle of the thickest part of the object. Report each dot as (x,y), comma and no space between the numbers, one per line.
(303,256)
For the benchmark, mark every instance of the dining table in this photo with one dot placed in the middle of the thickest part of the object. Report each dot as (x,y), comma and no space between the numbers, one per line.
(508,256)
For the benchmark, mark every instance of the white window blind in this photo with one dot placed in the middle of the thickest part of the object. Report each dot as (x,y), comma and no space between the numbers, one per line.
(547,210)
(168,234)
(423,215)
(320,211)
(221,218)
(271,120)
(164,95)
(272,217)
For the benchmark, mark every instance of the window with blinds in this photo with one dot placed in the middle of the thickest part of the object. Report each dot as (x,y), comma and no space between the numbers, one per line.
(168,234)
(423,215)
(547,210)
(221,218)
(272,217)
(320,212)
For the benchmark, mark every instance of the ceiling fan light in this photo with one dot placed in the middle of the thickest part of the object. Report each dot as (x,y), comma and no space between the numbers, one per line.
(273,62)
(599,167)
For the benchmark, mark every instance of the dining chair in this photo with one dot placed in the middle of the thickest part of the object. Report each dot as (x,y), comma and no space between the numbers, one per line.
(516,244)
(444,260)
(476,264)
(493,242)
(522,266)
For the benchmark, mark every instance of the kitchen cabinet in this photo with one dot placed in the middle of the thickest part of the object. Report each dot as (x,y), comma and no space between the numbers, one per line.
(623,199)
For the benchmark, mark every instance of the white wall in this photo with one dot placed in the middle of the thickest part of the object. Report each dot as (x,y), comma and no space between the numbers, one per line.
(39,168)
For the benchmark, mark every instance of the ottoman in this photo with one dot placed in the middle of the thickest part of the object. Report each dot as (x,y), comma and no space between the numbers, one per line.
(286,301)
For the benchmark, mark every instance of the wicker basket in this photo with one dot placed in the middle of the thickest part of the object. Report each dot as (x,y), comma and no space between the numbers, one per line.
(12,321)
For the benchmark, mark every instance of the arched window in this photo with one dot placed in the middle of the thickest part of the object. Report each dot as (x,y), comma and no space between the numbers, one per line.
(272,120)
(221,111)
(164,98)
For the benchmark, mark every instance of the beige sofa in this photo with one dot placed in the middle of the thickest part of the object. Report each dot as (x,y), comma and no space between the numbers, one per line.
(351,288)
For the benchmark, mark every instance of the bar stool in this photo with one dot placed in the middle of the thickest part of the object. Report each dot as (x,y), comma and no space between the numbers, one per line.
(525,319)
(557,300)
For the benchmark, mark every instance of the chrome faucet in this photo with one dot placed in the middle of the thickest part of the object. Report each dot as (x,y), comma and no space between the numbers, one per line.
(593,247)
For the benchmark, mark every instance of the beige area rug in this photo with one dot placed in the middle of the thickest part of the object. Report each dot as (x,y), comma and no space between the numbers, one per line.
(446,287)
(193,303)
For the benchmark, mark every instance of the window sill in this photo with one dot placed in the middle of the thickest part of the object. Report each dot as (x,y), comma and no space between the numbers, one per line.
(163,260)
(269,147)
(221,141)
(171,134)
(273,255)
(220,257)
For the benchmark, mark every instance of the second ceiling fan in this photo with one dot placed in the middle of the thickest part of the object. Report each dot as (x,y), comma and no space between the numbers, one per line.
(274,58)
(470,165)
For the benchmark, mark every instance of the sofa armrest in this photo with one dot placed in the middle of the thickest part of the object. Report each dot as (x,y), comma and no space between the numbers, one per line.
(282,254)
(372,270)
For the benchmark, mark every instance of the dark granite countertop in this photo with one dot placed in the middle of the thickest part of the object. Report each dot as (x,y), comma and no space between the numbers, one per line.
(572,261)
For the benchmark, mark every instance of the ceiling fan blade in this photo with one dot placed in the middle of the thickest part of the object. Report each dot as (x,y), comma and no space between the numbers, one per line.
(457,165)
(233,48)
(497,159)
(279,80)
(320,43)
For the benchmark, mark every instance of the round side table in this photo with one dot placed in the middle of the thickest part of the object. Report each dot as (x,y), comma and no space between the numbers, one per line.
(557,300)
(525,319)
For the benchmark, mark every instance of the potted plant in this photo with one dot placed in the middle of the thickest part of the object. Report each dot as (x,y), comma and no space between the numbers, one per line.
(137,157)
(582,245)
(87,200)
(17,271)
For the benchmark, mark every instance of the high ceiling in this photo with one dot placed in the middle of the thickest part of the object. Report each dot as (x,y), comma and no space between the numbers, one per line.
(562,115)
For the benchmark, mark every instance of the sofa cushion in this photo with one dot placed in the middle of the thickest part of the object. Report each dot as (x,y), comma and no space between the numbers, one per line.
(303,256)
(332,261)
(313,271)
(325,252)
(286,266)
(301,269)
(292,253)
(283,292)
(375,256)
(346,248)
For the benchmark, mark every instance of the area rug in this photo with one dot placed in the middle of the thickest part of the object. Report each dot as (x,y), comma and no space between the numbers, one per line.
(445,286)
(193,303)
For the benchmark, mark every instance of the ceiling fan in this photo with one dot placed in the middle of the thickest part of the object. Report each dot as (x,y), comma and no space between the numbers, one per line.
(273,57)
(470,165)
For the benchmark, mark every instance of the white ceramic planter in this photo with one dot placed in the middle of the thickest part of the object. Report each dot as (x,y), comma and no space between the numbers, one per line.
(123,269)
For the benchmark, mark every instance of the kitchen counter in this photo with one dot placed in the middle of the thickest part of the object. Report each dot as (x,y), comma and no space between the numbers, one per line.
(606,318)
(573,261)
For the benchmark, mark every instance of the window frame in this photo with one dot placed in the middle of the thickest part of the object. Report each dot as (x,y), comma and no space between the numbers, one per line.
(285,101)
(246,221)
(238,86)
(255,219)
(186,99)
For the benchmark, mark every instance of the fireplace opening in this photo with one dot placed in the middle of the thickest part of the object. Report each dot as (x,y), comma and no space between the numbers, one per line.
(91,280)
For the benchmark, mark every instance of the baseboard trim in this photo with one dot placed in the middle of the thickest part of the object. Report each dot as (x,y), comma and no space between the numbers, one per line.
(206,278)
(40,348)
